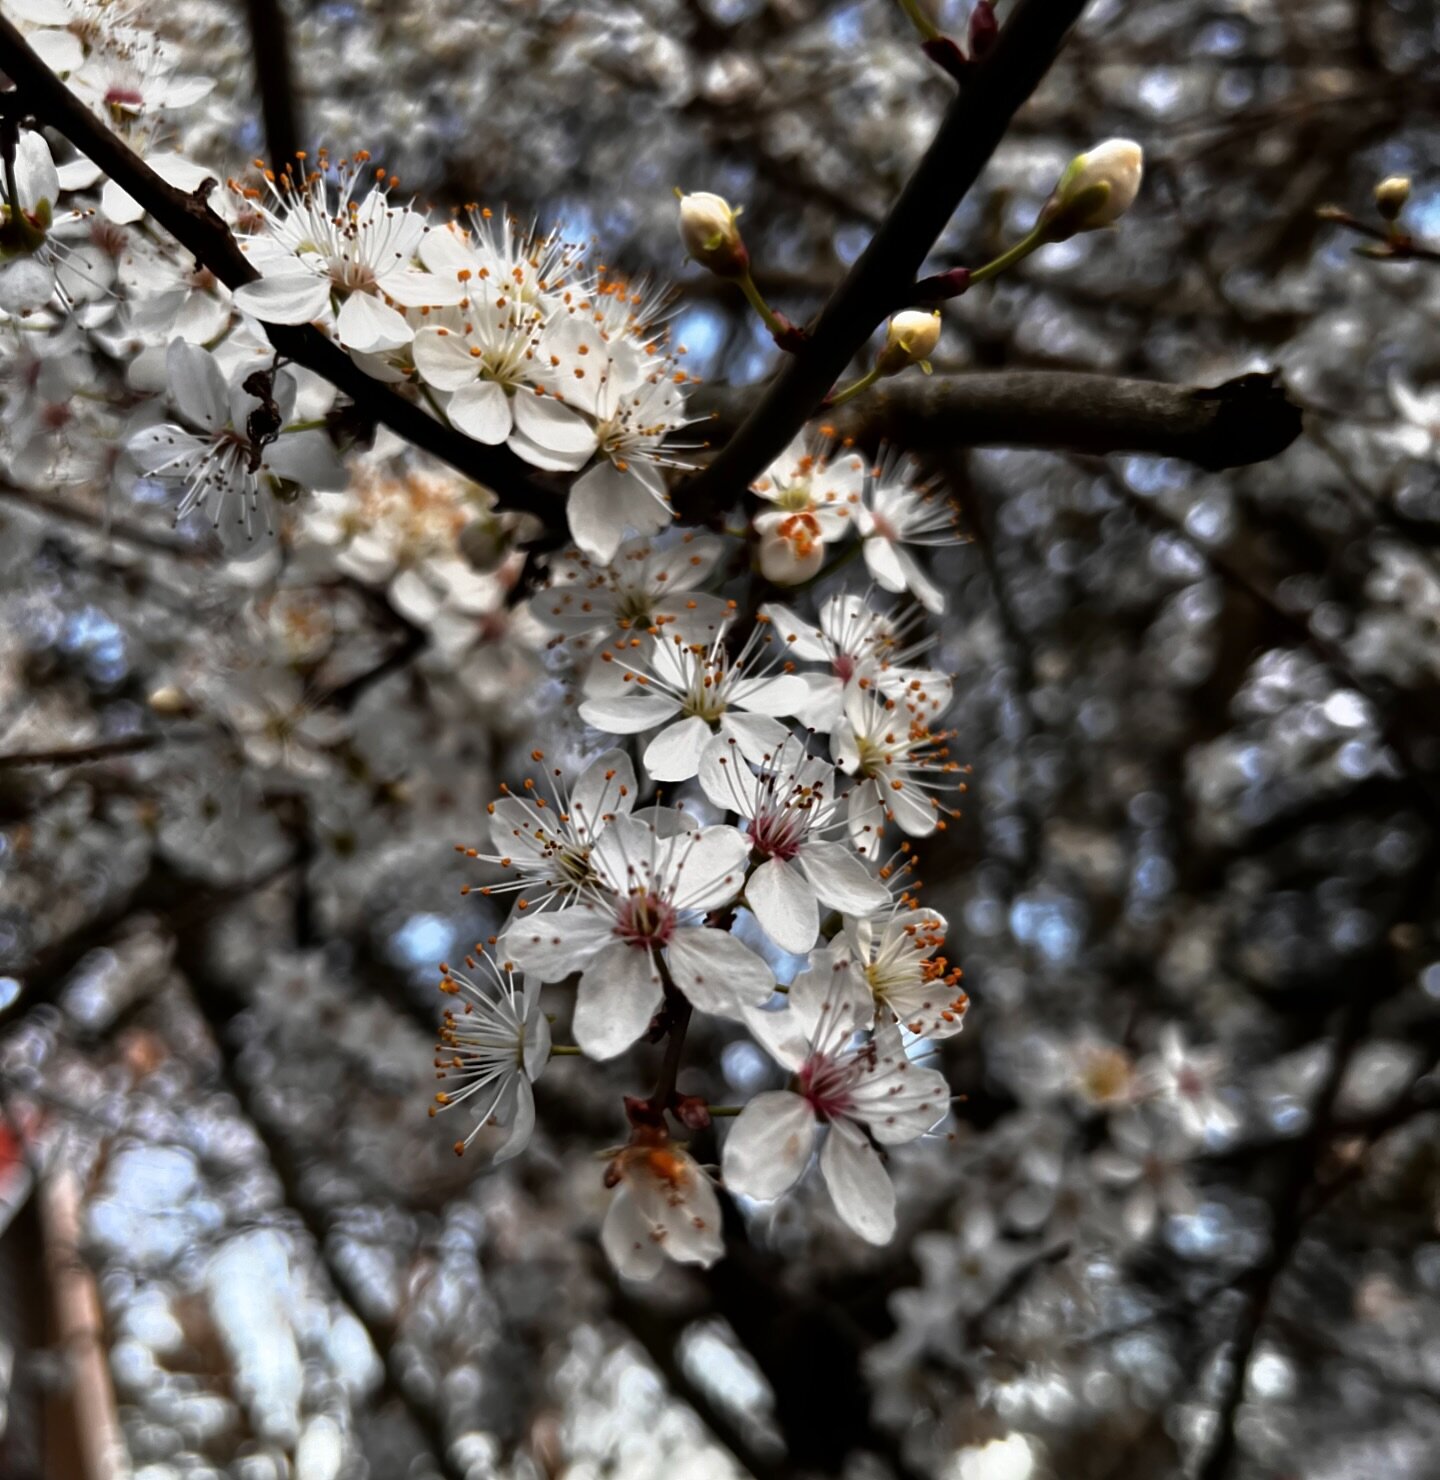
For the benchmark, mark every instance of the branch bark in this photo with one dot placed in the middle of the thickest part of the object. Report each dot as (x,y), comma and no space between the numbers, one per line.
(1241,421)
(189,219)
(879,281)
(274,78)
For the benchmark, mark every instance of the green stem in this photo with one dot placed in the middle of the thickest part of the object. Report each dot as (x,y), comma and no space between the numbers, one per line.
(433,404)
(863,384)
(304,426)
(927,28)
(565,1050)
(1008,258)
(758,303)
(718,1110)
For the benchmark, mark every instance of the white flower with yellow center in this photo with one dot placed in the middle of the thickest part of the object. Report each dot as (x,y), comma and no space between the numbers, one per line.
(357,256)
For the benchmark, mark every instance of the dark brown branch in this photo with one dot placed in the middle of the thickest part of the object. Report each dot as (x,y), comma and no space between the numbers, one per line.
(973,127)
(1226,426)
(77,755)
(274,78)
(189,219)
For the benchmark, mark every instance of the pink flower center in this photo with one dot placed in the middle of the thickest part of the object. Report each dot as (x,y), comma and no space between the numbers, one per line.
(645,921)
(844,666)
(123,97)
(778,834)
(829,1083)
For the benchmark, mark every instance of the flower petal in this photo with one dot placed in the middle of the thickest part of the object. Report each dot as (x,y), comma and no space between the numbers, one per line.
(481,410)
(841,880)
(293,298)
(718,973)
(859,1184)
(782,899)
(552,945)
(674,754)
(618,995)
(368,326)
(629,1240)
(769,1145)
(443,359)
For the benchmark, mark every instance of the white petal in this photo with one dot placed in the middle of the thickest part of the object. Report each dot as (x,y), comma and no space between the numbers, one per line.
(783,901)
(718,973)
(523,1124)
(552,945)
(674,754)
(711,867)
(481,410)
(841,880)
(862,1191)
(769,1145)
(925,591)
(628,1240)
(638,710)
(603,502)
(119,205)
(618,995)
(411,289)
(368,326)
(606,788)
(880,557)
(443,359)
(292,299)
(554,427)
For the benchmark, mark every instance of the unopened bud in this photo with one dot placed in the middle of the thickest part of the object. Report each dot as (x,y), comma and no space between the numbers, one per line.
(910,339)
(485,542)
(1097,188)
(1390,196)
(710,235)
(169,700)
(789,549)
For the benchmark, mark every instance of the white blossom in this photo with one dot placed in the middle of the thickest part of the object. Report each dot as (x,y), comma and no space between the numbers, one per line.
(853,1086)
(664,1207)
(648,901)
(899,512)
(494,1042)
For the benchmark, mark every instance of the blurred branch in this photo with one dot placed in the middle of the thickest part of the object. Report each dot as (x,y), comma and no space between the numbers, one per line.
(274,78)
(1241,421)
(973,127)
(76,755)
(189,219)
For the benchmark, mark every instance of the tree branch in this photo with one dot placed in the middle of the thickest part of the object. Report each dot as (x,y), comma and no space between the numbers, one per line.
(274,78)
(973,127)
(189,219)
(1242,421)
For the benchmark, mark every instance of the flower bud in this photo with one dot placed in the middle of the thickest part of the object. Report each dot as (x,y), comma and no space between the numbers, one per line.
(1097,188)
(1390,196)
(710,235)
(168,700)
(910,339)
(790,549)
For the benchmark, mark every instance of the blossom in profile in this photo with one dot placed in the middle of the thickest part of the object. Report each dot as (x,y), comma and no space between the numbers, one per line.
(655,886)
(847,1084)
(322,250)
(904,768)
(710,234)
(664,1207)
(240,443)
(494,1043)
(898,514)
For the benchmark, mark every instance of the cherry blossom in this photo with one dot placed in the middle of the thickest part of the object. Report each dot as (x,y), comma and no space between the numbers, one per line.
(664,1207)
(897,952)
(495,1042)
(897,513)
(688,691)
(788,808)
(653,889)
(850,1085)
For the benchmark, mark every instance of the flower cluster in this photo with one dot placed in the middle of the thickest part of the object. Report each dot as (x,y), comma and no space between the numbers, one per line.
(736,852)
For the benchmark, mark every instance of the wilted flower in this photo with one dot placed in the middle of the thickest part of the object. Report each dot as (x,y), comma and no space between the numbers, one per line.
(664,1207)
